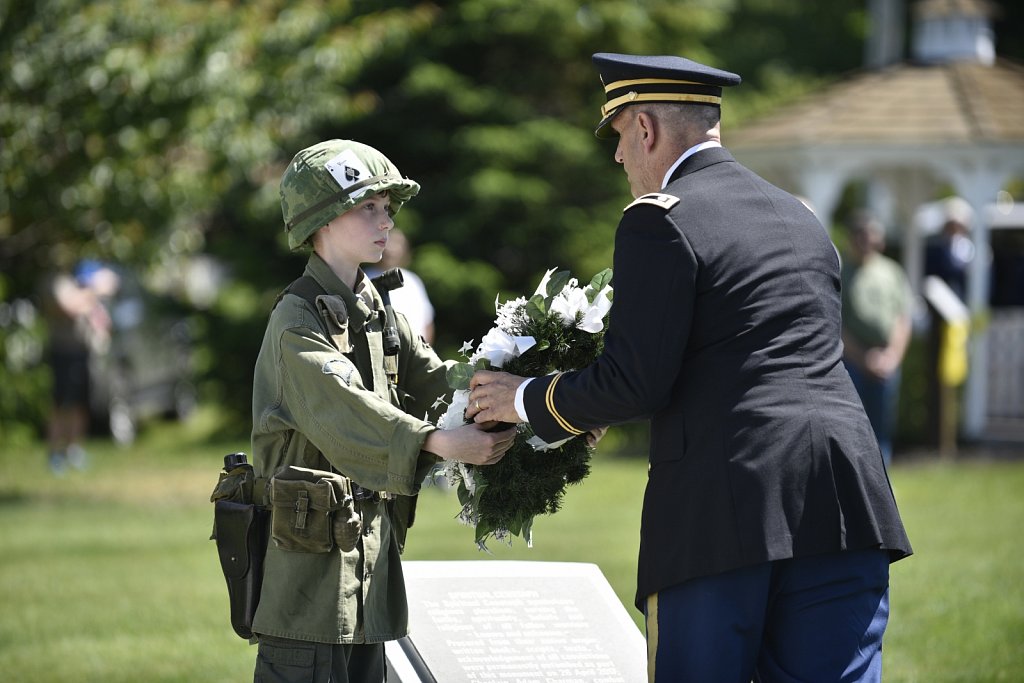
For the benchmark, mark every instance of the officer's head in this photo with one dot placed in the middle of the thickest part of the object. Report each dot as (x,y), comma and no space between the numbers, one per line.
(326,180)
(640,79)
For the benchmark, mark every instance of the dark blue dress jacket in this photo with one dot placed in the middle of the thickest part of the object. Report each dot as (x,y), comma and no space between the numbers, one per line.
(725,334)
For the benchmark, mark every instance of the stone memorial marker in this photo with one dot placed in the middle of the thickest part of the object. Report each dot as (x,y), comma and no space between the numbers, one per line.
(526,622)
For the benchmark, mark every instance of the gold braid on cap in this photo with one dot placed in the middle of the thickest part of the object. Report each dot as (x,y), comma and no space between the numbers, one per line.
(659,90)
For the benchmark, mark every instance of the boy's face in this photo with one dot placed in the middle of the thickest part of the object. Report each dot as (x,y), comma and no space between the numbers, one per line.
(360,234)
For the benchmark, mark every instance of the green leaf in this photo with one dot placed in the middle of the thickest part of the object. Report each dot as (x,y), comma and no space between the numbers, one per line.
(463,493)
(537,308)
(459,375)
(557,282)
(597,283)
(528,529)
(515,527)
(481,486)
(483,530)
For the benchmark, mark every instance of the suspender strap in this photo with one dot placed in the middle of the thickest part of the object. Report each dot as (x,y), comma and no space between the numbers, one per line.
(309,289)
(304,287)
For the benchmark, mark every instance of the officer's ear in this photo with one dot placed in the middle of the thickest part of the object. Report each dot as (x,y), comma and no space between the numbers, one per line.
(647,129)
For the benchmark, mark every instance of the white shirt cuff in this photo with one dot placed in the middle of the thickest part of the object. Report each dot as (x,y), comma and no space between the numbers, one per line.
(519,404)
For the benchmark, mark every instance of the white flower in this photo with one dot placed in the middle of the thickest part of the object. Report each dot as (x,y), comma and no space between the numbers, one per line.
(454,415)
(466,347)
(593,315)
(498,346)
(455,472)
(510,313)
(466,472)
(540,444)
(571,303)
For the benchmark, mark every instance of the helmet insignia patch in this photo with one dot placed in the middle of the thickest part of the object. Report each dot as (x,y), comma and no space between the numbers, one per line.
(347,169)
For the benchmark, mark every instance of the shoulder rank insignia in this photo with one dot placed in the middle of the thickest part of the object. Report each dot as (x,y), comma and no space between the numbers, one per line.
(665,201)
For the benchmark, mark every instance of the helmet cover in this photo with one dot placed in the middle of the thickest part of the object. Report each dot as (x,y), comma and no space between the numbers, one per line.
(326,180)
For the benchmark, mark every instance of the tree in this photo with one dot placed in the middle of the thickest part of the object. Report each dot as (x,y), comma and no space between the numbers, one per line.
(147,133)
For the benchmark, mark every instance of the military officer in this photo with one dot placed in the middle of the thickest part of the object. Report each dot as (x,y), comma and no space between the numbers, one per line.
(768,522)
(328,398)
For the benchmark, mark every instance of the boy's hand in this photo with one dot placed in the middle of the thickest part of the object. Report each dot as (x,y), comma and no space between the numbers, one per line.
(471,443)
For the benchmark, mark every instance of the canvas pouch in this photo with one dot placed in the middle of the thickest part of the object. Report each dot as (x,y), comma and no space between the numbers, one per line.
(312,511)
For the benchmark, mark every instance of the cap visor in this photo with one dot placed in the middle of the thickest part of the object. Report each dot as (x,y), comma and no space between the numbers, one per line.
(604,129)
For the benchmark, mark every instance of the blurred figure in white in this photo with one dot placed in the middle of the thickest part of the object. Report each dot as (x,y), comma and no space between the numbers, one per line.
(411,298)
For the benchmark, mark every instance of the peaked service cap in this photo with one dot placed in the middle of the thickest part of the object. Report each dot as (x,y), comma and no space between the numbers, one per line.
(631,79)
(326,180)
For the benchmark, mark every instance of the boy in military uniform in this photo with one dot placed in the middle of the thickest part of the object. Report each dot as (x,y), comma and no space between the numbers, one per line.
(327,398)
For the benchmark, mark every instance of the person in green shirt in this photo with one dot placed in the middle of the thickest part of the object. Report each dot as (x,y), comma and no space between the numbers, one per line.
(327,397)
(876,324)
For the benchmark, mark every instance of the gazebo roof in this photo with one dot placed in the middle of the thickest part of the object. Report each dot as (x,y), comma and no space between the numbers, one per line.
(967,8)
(942,104)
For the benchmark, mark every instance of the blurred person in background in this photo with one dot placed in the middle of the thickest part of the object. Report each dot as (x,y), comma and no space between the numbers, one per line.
(948,255)
(876,324)
(411,298)
(78,325)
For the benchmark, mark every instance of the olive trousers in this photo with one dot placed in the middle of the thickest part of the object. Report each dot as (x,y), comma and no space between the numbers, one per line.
(281,660)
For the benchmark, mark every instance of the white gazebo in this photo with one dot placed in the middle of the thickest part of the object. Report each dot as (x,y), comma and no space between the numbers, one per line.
(951,116)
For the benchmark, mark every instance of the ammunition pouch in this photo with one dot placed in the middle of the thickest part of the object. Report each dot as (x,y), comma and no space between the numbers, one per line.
(312,511)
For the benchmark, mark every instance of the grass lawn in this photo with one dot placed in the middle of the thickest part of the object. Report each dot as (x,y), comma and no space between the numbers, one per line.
(107,575)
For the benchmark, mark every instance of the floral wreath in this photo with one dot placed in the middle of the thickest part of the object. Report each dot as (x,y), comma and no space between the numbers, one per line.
(559,328)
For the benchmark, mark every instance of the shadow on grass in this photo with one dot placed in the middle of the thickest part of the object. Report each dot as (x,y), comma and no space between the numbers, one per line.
(13,498)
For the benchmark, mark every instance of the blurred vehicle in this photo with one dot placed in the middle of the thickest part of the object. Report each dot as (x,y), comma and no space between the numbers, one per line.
(147,371)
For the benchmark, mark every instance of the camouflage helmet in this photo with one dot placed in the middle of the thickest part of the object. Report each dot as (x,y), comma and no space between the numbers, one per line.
(326,180)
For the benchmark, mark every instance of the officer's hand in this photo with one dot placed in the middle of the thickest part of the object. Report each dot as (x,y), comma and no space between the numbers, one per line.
(492,397)
(595,435)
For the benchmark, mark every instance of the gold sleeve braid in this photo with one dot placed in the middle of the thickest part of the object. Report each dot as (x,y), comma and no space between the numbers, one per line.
(549,401)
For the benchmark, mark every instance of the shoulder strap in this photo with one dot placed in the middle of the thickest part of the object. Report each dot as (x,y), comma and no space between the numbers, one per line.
(664,201)
(309,289)
(304,287)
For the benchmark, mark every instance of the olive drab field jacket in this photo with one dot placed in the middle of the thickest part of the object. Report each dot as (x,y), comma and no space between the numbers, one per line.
(321,400)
